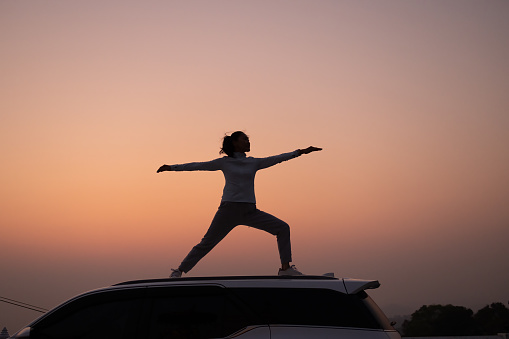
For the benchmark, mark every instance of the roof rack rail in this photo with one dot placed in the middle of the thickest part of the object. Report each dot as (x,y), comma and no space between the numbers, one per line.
(257,277)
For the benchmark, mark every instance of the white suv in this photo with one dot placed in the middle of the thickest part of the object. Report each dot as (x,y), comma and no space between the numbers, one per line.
(219,307)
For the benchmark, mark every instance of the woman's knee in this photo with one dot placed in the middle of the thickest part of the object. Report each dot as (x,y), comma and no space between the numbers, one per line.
(284,229)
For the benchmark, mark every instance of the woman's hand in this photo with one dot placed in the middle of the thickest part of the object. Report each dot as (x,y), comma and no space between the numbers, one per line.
(164,168)
(309,150)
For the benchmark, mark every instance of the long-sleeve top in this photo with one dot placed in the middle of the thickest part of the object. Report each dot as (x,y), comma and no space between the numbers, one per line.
(239,173)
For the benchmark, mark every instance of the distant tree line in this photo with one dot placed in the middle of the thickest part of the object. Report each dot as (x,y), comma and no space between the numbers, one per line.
(449,320)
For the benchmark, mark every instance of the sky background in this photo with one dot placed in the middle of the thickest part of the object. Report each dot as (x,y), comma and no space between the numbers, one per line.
(407,98)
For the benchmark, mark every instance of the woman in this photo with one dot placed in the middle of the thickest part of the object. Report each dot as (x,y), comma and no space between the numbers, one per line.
(238,204)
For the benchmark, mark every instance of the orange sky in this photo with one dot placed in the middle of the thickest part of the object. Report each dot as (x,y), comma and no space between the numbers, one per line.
(408,100)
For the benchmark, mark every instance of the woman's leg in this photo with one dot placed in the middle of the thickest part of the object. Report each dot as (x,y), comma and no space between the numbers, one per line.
(224,221)
(269,223)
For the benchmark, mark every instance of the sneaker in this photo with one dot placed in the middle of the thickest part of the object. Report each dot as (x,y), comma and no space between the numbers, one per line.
(175,273)
(292,270)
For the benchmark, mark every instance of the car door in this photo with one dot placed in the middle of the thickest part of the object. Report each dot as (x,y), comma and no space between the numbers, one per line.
(199,312)
(104,315)
(312,313)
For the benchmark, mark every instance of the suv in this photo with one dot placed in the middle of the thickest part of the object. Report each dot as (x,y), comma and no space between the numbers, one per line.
(219,307)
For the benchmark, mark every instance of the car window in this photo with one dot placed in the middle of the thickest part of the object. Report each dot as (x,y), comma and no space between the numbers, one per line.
(194,312)
(310,306)
(111,315)
(376,311)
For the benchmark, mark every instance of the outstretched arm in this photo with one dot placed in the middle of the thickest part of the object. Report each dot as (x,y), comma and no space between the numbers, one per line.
(213,165)
(276,159)
(308,150)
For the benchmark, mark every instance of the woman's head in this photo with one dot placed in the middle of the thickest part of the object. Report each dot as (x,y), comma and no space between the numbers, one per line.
(236,142)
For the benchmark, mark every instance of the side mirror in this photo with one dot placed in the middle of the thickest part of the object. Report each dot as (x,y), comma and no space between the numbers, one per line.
(24,333)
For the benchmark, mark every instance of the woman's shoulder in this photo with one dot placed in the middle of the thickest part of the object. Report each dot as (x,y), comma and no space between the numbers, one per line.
(238,159)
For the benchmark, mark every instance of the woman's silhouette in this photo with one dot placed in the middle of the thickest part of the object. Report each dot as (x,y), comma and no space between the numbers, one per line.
(238,204)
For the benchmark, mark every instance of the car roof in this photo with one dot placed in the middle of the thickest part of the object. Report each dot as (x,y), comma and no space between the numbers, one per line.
(344,285)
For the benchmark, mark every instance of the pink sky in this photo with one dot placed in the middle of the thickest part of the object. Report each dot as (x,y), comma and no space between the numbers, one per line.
(407,98)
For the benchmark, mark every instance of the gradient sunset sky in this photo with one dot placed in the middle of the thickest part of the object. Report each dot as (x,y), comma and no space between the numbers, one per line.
(409,100)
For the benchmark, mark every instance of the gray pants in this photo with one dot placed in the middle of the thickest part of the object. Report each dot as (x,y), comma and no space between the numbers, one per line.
(228,216)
